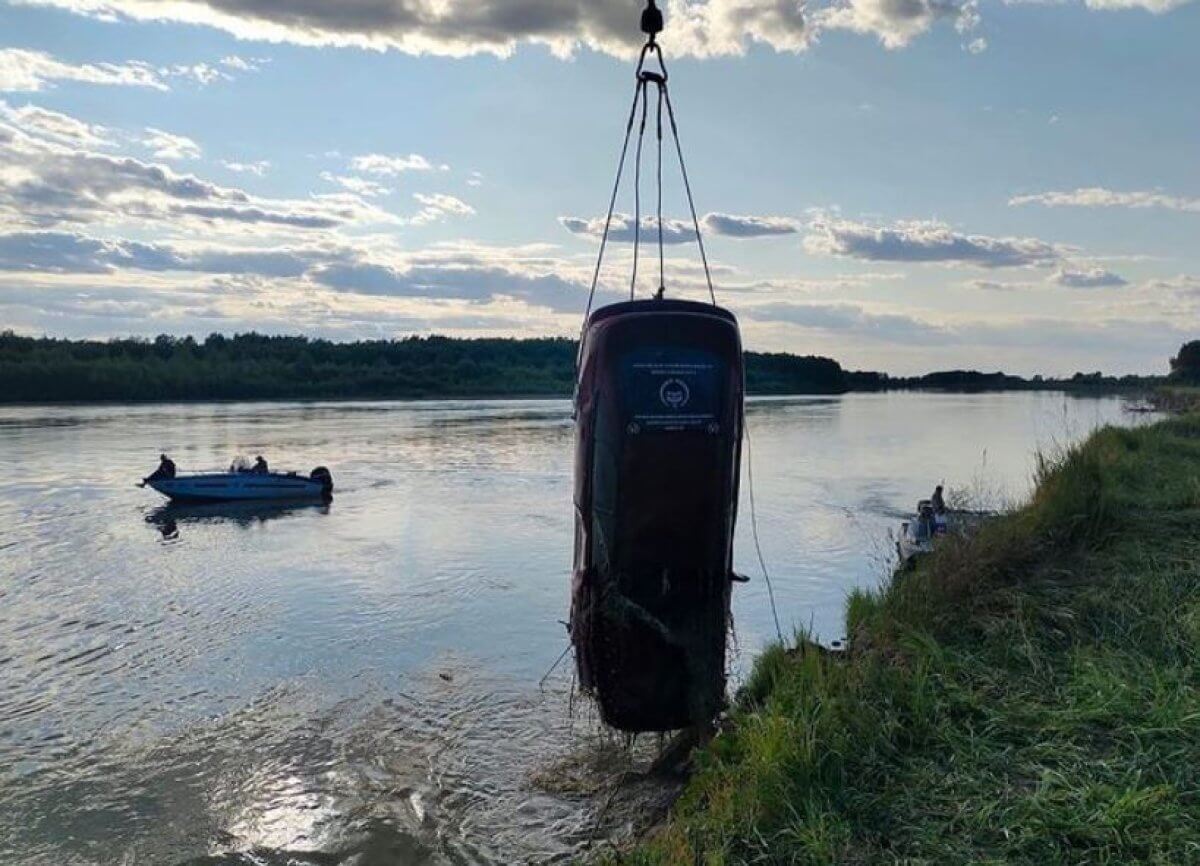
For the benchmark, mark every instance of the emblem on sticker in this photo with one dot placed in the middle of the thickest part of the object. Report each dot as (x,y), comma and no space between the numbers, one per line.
(674,394)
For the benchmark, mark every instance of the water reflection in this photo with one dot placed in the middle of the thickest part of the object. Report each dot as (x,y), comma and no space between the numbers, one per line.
(245,515)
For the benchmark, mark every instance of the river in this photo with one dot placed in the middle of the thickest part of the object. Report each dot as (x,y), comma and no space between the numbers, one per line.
(359,683)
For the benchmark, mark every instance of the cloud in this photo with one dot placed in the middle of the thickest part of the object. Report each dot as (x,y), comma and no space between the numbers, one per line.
(43,122)
(242,64)
(1158,7)
(479,281)
(390,166)
(621,231)
(200,73)
(259,168)
(897,22)
(1096,196)
(1088,278)
(167,145)
(457,28)
(57,252)
(848,318)
(44,183)
(474,274)
(22,70)
(357,185)
(977,46)
(924,241)
(439,206)
(730,225)
(994,286)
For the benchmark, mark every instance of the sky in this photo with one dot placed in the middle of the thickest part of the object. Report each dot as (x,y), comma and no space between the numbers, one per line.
(903,185)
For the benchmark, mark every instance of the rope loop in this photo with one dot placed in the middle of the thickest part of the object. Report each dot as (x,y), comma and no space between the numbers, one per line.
(652,26)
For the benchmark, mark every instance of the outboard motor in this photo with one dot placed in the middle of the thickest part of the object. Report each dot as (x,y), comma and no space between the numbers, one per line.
(324,476)
(659,414)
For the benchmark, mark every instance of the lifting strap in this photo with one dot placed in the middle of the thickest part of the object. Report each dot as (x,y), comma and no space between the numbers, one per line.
(652,25)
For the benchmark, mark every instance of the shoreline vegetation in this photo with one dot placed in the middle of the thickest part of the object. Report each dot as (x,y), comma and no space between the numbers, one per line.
(258,367)
(1026,695)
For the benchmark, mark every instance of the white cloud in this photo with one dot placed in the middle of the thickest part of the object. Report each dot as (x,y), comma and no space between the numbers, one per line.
(44,183)
(977,45)
(1158,7)
(378,163)
(1097,196)
(439,206)
(22,70)
(42,122)
(735,226)
(897,22)
(357,185)
(925,241)
(242,64)
(621,230)
(200,73)
(1088,278)
(259,168)
(678,231)
(168,145)
(701,28)
(850,318)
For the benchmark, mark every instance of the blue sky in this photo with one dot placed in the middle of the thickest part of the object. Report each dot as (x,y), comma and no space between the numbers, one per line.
(900,184)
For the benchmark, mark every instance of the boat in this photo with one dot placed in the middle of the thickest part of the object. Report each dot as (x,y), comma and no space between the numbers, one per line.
(919,536)
(245,486)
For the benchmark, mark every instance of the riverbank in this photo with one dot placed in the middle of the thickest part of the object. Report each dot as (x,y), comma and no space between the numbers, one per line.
(1176,399)
(1028,695)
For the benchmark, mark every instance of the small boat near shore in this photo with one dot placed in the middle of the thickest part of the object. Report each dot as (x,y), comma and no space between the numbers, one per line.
(245,486)
(920,535)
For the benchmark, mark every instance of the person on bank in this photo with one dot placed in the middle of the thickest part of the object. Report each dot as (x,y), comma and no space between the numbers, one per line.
(260,466)
(166,469)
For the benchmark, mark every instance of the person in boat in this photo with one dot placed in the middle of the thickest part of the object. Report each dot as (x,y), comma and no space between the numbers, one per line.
(260,466)
(938,500)
(166,469)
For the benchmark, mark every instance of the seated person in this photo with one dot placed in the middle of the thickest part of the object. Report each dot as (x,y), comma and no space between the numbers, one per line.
(260,466)
(166,469)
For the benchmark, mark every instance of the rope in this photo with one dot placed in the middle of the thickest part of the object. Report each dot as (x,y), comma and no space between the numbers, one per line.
(664,98)
(662,264)
(762,562)
(691,201)
(637,190)
(612,202)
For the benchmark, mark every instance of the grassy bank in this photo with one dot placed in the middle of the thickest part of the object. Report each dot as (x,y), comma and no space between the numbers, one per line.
(1176,398)
(1030,695)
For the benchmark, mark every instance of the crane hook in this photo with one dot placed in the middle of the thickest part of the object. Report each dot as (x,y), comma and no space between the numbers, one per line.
(652,21)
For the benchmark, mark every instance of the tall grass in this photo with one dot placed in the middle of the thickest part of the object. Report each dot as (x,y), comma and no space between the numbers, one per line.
(1026,695)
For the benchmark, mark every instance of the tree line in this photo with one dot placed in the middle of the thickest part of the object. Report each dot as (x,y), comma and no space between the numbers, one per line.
(257,367)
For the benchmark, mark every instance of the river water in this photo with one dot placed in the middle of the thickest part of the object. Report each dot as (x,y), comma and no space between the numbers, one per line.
(359,683)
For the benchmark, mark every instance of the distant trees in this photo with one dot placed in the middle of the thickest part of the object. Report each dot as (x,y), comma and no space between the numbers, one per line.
(1185,366)
(256,366)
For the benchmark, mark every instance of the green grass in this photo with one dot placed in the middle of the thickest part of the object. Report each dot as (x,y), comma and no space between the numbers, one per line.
(1030,695)
(1177,398)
